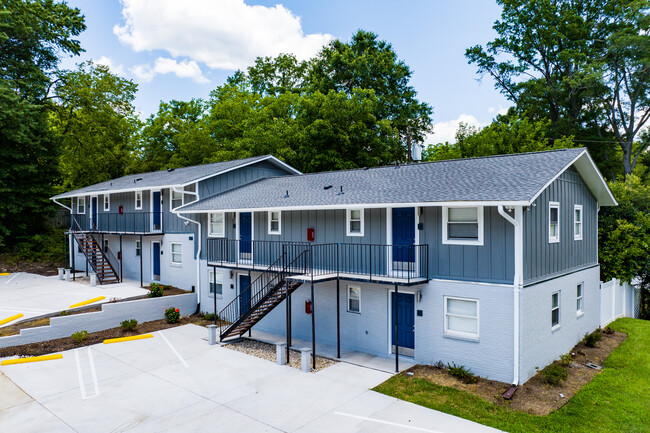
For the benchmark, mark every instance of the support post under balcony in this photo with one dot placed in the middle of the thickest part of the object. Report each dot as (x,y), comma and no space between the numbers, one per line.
(396,316)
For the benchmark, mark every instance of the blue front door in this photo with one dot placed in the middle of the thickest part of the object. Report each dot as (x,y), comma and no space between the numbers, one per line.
(93,212)
(244,294)
(156,217)
(155,260)
(403,234)
(403,308)
(245,220)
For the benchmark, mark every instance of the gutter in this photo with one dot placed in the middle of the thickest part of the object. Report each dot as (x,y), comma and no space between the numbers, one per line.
(517,223)
(198,250)
(62,205)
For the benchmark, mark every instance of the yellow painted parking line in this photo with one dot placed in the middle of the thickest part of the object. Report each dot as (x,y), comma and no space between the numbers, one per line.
(10,319)
(89,301)
(31,359)
(121,339)
(4,274)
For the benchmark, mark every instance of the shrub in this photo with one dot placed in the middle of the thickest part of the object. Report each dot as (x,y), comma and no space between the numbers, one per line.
(79,336)
(554,374)
(64,313)
(129,325)
(208,316)
(461,373)
(155,290)
(172,315)
(167,287)
(566,359)
(439,364)
(592,339)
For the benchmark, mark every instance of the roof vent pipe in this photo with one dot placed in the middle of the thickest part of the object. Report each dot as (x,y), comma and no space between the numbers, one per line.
(287,194)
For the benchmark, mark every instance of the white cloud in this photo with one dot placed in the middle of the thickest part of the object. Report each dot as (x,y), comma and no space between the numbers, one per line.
(184,69)
(224,34)
(446,131)
(115,69)
(498,110)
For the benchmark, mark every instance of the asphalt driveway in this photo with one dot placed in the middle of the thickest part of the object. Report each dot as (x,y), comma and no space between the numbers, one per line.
(177,382)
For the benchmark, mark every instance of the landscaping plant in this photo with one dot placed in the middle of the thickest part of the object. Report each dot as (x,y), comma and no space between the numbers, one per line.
(554,374)
(172,315)
(155,290)
(80,336)
(129,325)
(461,373)
(592,339)
(566,359)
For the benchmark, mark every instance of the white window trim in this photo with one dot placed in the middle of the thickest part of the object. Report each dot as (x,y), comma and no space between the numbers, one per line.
(136,248)
(580,311)
(171,253)
(559,310)
(171,198)
(136,200)
(211,281)
(279,230)
(577,237)
(445,221)
(212,234)
(458,333)
(79,200)
(348,214)
(107,202)
(554,205)
(348,304)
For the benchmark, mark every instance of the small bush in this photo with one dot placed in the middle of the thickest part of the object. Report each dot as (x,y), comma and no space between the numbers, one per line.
(79,336)
(208,316)
(554,374)
(566,359)
(167,287)
(155,290)
(607,330)
(129,325)
(439,364)
(172,315)
(64,313)
(461,373)
(592,339)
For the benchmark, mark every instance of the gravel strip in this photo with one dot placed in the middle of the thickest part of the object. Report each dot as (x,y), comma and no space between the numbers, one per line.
(267,351)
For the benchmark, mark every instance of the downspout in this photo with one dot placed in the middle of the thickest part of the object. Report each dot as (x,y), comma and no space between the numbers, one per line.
(518,280)
(198,250)
(62,205)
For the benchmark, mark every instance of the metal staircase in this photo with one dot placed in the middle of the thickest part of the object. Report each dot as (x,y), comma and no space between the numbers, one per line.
(264,294)
(97,258)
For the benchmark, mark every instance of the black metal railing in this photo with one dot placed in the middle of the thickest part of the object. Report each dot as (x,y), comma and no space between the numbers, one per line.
(127,222)
(371,261)
(270,281)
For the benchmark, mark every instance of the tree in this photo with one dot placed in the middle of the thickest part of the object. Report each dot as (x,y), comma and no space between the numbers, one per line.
(507,134)
(97,124)
(580,63)
(33,35)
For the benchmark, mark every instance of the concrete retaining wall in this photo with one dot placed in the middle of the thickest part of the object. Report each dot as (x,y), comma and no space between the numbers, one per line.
(143,310)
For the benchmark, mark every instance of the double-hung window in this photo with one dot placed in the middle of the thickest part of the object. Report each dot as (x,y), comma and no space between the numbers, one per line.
(138,200)
(81,205)
(461,317)
(462,225)
(138,248)
(216,285)
(177,255)
(177,199)
(354,219)
(275,219)
(354,299)
(107,203)
(553,222)
(216,226)
(580,299)
(555,310)
(577,222)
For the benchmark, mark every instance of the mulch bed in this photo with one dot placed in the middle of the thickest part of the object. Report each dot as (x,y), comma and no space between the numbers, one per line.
(535,396)
(268,351)
(67,343)
(41,268)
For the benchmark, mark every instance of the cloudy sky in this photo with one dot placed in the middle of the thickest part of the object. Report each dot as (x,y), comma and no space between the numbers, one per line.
(182,49)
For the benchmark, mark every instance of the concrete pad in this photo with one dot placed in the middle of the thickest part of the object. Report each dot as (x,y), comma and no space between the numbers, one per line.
(22,418)
(36,295)
(10,394)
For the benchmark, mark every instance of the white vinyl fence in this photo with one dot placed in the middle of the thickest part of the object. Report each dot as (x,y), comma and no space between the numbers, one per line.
(618,300)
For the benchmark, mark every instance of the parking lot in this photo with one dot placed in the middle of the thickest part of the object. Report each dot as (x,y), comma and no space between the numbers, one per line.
(175,381)
(35,295)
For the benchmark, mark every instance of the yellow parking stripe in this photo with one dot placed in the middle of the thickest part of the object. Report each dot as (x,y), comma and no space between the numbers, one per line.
(9,319)
(4,274)
(31,359)
(89,301)
(135,337)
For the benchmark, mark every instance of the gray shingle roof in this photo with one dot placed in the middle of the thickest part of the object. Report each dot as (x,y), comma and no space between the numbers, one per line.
(504,178)
(178,176)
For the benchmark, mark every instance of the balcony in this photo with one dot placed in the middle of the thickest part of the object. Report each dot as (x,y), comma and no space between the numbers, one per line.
(119,223)
(389,264)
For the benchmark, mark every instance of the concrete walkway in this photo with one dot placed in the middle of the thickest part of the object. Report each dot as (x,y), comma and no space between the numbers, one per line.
(35,295)
(177,382)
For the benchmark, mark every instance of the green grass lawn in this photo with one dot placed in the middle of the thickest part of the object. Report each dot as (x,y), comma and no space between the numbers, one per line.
(617,400)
